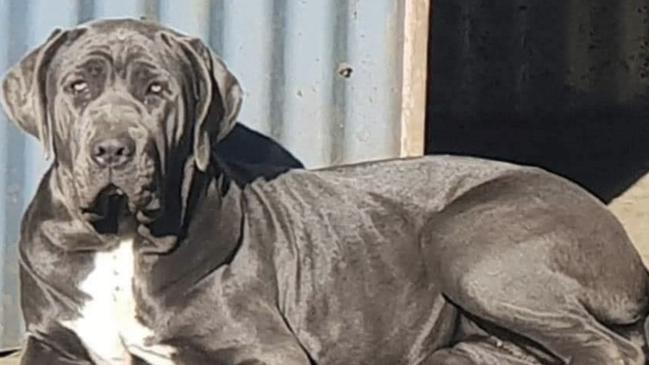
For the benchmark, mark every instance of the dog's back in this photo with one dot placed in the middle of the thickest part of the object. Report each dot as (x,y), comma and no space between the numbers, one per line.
(416,231)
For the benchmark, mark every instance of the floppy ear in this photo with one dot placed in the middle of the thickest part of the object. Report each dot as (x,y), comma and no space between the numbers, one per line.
(218,96)
(23,91)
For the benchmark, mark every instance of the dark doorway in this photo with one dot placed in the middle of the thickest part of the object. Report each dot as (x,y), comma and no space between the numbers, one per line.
(561,84)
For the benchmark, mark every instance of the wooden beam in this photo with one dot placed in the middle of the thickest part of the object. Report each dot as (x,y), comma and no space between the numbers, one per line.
(415,71)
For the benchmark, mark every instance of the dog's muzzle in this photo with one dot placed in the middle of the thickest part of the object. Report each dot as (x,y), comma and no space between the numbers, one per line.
(112,152)
(116,169)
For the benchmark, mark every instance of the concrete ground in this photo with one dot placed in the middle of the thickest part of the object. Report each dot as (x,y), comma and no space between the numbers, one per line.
(10,360)
(632,208)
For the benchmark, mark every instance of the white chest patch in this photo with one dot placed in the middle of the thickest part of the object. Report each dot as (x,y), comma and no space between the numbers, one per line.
(108,326)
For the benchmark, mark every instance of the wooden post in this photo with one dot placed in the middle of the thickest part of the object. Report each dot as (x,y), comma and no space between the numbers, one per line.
(415,71)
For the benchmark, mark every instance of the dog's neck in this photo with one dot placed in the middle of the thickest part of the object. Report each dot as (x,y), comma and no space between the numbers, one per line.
(209,237)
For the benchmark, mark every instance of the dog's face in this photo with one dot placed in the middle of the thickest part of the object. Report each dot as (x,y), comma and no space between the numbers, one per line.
(122,105)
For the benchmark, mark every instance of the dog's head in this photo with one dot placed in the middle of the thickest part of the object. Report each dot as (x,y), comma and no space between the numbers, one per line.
(122,106)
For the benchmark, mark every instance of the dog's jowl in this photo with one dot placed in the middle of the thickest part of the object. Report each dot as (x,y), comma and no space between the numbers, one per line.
(138,245)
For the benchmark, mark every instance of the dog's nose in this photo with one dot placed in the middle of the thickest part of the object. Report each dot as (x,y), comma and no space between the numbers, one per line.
(113,152)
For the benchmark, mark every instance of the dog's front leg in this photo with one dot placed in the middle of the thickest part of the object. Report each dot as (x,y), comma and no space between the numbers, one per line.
(39,353)
(259,359)
(258,354)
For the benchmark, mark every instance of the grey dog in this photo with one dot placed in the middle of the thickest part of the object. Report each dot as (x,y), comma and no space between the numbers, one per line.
(139,247)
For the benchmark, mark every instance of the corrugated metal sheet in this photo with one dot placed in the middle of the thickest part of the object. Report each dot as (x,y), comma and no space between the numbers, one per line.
(321,76)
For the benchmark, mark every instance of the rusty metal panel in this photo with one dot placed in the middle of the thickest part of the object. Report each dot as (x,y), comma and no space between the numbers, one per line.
(323,77)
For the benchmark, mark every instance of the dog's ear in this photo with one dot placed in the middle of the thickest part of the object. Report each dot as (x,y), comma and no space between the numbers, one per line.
(217,93)
(23,94)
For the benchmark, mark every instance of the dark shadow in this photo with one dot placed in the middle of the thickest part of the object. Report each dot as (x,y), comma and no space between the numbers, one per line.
(543,83)
(8,352)
(248,154)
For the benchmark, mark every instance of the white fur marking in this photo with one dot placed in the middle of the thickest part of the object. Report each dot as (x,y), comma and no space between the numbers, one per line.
(108,326)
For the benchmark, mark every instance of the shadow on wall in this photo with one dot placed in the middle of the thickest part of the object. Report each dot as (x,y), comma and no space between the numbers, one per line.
(561,84)
(246,155)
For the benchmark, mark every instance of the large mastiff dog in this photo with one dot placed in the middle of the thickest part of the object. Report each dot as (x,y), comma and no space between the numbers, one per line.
(139,247)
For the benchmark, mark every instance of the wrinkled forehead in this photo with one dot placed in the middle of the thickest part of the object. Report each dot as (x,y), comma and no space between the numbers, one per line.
(117,47)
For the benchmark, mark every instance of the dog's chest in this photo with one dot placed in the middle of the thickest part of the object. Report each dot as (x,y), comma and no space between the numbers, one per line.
(107,324)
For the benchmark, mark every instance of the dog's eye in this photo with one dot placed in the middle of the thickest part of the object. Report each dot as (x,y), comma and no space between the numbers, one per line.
(155,88)
(78,87)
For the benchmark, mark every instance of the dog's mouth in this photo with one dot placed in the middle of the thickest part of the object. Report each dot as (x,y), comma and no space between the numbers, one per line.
(110,210)
(115,210)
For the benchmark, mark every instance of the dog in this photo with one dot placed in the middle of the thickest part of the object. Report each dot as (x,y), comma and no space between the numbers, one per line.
(138,246)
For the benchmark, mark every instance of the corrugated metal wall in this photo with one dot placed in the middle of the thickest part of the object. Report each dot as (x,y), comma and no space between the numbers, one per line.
(321,76)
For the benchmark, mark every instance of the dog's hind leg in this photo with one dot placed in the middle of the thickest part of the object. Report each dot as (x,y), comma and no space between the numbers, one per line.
(543,306)
(545,262)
